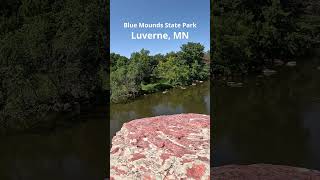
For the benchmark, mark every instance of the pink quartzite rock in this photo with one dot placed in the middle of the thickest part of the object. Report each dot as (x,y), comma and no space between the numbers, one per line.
(164,147)
(263,172)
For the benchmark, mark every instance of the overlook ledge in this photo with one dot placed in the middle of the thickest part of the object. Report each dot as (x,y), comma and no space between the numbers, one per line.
(162,147)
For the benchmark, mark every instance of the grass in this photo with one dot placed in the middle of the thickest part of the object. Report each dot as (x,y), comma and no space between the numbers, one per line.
(155,87)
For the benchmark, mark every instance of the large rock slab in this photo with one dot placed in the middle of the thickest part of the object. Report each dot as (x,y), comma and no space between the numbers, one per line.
(263,172)
(164,147)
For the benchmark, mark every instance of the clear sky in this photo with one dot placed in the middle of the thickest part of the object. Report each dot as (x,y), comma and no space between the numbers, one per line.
(155,11)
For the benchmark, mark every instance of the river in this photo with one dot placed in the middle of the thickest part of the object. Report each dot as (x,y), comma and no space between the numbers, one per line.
(76,152)
(193,99)
(272,119)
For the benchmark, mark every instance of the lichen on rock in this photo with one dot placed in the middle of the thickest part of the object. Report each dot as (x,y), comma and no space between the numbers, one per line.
(162,147)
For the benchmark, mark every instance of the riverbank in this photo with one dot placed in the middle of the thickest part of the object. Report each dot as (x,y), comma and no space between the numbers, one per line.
(164,87)
(272,68)
(52,121)
(160,87)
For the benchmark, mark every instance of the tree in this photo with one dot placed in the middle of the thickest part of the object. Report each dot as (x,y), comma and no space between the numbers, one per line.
(175,71)
(192,52)
(117,61)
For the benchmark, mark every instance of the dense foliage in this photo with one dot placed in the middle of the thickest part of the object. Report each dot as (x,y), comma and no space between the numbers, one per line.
(249,35)
(143,73)
(50,58)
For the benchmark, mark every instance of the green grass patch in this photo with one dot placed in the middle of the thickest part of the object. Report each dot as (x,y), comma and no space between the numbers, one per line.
(155,87)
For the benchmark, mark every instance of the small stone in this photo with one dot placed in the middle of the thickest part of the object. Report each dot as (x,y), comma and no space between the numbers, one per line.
(196,171)
(67,107)
(291,63)
(234,84)
(193,84)
(269,72)
(278,62)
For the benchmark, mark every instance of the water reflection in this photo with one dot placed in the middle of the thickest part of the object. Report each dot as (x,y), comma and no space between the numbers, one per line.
(72,153)
(312,124)
(269,120)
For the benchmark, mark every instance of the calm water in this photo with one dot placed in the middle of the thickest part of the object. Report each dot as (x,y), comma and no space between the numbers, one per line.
(71,153)
(194,99)
(270,120)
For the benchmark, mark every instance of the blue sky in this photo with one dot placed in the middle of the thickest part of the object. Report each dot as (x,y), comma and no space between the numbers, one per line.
(154,11)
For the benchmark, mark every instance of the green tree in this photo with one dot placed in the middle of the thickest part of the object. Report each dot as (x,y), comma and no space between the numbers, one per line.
(117,61)
(193,54)
(175,71)
(141,64)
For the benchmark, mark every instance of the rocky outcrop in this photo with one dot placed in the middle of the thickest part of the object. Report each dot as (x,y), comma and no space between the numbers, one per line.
(163,147)
(263,172)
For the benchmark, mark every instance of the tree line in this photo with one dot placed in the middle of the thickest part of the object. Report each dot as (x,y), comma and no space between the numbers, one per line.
(144,73)
(248,35)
